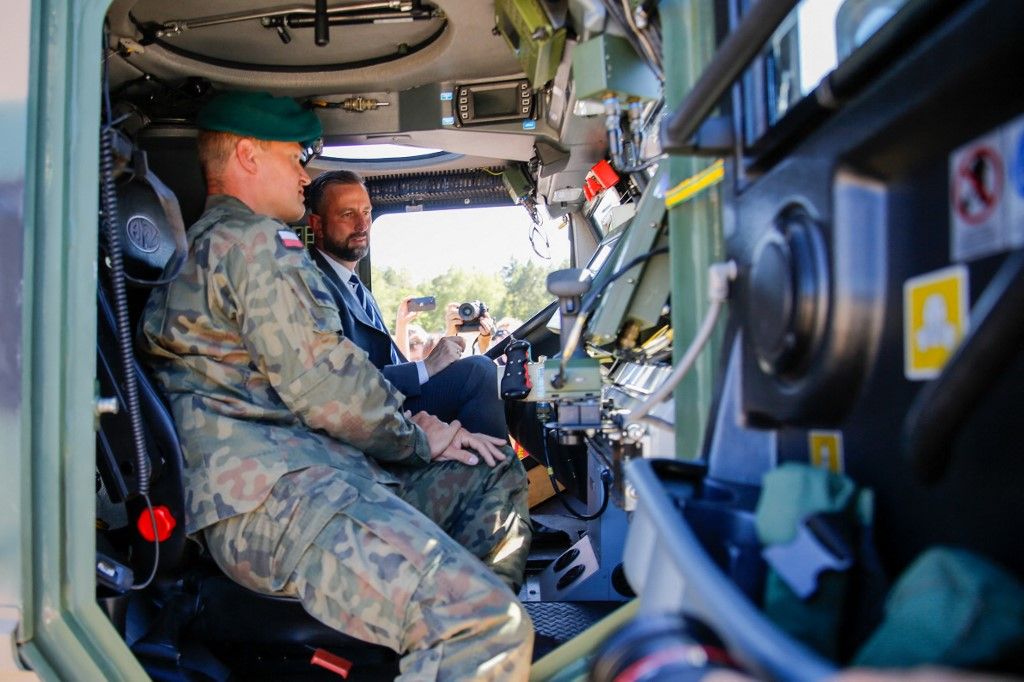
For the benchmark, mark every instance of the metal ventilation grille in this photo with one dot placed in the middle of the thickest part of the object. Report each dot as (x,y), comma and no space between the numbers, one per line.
(439,190)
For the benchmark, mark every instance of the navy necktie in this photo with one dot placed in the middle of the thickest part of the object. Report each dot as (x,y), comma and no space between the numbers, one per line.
(364,300)
(370,308)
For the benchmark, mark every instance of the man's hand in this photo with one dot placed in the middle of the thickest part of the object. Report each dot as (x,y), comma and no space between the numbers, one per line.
(439,434)
(447,350)
(487,329)
(404,315)
(449,442)
(402,319)
(486,446)
(452,319)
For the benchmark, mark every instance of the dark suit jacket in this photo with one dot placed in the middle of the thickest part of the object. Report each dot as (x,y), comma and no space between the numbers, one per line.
(358,328)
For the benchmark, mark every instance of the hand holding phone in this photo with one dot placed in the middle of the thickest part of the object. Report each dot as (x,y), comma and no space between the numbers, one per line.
(424,303)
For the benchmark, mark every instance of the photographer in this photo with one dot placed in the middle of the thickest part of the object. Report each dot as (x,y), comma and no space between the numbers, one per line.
(442,384)
(472,322)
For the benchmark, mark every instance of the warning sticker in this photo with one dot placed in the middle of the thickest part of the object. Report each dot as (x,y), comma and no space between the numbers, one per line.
(934,320)
(826,450)
(1013,152)
(977,179)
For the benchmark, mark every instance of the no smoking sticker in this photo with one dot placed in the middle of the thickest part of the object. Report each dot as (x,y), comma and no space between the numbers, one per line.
(977,182)
(934,320)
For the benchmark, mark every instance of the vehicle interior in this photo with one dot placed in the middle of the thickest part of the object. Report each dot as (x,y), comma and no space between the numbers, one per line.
(773,400)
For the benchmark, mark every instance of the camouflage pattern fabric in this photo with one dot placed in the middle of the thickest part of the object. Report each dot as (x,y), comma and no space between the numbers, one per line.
(381,571)
(298,458)
(485,510)
(245,343)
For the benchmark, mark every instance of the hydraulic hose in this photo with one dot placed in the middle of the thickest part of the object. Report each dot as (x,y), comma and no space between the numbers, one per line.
(111,221)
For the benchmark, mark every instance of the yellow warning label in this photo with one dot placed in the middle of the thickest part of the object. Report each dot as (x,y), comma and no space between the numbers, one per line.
(826,448)
(934,320)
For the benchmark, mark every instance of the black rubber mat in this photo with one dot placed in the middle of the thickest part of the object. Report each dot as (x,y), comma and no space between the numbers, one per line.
(557,622)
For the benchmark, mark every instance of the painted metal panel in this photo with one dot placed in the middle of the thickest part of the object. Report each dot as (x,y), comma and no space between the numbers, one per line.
(64,633)
(695,226)
(14,39)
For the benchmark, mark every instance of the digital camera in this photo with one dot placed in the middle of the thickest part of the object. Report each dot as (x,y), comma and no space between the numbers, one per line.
(470,313)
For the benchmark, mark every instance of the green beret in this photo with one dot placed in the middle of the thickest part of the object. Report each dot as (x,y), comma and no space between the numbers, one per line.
(261,115)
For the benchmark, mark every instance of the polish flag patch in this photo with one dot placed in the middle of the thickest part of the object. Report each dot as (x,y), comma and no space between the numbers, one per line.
(289,239)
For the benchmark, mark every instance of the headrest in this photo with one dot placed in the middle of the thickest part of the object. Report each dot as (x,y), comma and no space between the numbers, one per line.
(152,231)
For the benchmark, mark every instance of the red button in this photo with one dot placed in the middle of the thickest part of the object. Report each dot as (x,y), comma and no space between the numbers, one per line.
(605,174)
(165,523)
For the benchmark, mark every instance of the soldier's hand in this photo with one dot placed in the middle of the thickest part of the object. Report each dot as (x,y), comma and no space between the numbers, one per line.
(447,350)
(488,447)
(439,434)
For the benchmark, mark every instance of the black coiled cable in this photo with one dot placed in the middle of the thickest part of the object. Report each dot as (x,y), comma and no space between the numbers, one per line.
(606,482)
(108,204)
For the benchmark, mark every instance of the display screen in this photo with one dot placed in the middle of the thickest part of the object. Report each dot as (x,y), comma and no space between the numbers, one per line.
(496,102)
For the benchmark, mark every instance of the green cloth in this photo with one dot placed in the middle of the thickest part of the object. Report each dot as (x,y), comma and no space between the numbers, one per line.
(261,115)
(791,493)
(951,607)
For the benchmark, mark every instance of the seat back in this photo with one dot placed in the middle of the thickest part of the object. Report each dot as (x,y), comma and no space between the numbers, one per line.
(153,245)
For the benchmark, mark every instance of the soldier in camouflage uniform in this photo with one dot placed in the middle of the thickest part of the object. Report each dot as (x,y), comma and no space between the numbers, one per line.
(303,473)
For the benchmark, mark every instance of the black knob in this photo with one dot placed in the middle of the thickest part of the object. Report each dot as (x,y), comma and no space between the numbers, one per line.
(787,294)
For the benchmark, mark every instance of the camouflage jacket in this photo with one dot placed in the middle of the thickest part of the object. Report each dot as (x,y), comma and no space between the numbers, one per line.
(246,344)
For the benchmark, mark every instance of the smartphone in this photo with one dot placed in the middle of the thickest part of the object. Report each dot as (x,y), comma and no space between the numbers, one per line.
(422,303)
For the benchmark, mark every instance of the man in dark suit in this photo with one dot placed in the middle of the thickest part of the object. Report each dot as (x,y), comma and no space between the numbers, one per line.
(443,384)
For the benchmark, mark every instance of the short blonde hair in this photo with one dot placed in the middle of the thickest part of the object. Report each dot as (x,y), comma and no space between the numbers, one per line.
(216,147)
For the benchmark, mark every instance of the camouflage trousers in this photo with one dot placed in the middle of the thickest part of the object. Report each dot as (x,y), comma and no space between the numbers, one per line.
(419,569)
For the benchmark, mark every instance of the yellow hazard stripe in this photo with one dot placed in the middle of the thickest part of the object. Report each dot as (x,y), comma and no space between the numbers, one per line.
(690,187)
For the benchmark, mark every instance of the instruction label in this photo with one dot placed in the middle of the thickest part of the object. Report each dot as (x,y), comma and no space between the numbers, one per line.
(934,320)
(826,450)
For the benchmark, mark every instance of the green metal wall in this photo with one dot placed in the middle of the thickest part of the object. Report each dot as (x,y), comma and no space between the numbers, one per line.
(695,226)
(64,634)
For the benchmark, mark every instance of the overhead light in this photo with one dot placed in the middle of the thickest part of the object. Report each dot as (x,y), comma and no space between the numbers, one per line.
(377,152)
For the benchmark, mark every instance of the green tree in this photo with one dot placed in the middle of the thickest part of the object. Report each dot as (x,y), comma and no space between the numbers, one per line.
(458,286)
(390,286)
(525,285)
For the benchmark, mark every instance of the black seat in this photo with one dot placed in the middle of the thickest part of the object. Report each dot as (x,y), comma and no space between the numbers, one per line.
(192,622)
